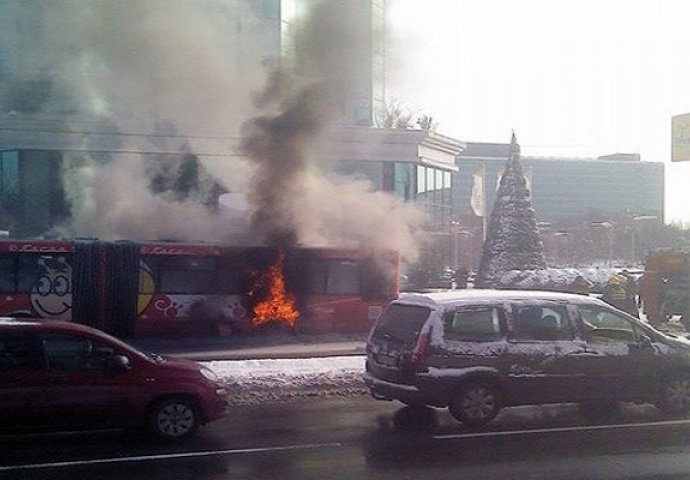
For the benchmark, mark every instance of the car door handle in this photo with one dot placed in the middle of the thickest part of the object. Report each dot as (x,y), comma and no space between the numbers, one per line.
(587,353)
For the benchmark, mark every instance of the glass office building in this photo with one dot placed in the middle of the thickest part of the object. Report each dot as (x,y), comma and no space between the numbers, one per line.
(351,45)
(427,186)
(567,187)
(584,206)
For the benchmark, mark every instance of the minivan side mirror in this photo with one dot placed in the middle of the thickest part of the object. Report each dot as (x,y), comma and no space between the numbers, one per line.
(119,363)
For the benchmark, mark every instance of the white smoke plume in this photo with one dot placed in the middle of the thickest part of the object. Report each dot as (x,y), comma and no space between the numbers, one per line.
(346,211)
(113,201)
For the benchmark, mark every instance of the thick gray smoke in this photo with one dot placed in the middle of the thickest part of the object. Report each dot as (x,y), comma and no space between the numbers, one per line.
(189,70)
(183,71)
(297,195)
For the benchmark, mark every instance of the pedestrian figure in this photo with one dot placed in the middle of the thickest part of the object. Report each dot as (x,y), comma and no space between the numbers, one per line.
(615,293)
(460,277)
(631,291)
(618,294)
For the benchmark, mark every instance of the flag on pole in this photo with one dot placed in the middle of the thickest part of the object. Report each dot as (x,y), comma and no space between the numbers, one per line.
(477,196)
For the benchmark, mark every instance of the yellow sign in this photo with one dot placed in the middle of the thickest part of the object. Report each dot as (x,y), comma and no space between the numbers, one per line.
(680,146)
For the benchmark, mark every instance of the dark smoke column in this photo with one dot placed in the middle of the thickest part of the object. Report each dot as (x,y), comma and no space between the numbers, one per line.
(279,144)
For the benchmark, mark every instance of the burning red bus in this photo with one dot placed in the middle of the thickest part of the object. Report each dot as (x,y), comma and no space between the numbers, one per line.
(133,288)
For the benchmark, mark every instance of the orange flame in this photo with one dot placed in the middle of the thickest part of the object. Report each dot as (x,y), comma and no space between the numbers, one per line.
(279,305)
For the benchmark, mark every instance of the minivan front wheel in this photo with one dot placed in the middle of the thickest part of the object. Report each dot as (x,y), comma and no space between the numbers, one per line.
(476,404)
(674,396)
(174,419)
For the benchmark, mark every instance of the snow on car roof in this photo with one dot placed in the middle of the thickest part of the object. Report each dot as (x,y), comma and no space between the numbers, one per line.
(465,296)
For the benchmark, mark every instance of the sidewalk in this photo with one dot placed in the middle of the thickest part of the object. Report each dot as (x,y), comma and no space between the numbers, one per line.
(254,347)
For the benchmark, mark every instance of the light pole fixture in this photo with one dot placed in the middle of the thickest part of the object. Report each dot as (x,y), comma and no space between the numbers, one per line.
(608,227)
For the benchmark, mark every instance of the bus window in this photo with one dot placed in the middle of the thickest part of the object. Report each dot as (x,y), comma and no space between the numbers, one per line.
(229,279)
(228,284)
(343,278)
(317,274)
(333,277)
(379,279)
(7,274)
(187,275)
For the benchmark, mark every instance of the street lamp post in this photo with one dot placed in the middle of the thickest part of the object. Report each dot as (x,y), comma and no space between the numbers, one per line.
(608,228)
(634,232)
(544,229)
(563,246)
(464,255)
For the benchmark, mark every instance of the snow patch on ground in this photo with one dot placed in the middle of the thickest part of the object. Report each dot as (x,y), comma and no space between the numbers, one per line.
(256,381)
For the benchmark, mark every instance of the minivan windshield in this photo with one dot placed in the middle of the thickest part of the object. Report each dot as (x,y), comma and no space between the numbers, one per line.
(402,322)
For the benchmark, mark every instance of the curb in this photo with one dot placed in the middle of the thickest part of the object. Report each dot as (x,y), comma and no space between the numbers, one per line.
(275,352)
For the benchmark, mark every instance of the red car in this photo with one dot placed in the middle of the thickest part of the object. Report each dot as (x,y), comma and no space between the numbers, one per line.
(64,376)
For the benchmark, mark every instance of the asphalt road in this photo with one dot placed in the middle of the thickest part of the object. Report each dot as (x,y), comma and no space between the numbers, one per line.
(359,438)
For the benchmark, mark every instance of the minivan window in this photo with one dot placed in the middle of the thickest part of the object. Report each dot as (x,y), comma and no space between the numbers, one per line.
(402,322)
(603,325)
(532,322)
(473,325)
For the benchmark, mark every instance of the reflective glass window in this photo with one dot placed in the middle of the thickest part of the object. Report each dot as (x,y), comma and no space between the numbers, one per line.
(430,177)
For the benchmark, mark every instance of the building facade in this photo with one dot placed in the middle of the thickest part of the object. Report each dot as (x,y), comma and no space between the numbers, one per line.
(565,187)
(617,190)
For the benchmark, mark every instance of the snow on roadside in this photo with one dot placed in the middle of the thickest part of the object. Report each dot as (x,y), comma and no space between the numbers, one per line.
(556,278)
(256,381)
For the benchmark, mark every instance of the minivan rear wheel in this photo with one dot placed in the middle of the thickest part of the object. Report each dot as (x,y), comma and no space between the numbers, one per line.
(476,404)
(174,419)
(674,396)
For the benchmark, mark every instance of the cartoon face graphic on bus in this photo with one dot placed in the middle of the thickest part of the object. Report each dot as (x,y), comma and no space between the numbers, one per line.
(51,293)
(147,287)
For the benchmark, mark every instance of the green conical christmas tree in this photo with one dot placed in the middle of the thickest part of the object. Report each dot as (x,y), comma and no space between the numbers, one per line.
(512,239)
